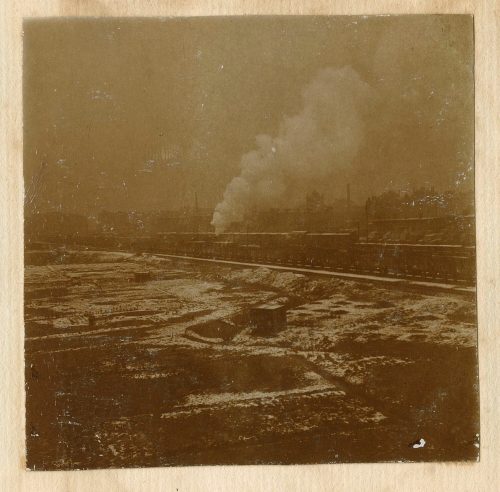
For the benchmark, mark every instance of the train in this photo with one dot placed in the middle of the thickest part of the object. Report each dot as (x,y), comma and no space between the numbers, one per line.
(336,251)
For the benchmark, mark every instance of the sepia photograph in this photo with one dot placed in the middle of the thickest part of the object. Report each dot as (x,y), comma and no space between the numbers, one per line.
(249,240)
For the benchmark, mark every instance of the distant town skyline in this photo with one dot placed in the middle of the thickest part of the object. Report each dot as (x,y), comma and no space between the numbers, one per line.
(122,115)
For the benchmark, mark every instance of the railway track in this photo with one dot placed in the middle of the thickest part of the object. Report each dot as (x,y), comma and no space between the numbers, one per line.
(393,281)
(341,254)
(336,252)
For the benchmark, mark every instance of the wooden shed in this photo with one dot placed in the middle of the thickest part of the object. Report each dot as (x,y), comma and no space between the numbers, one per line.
(268,319)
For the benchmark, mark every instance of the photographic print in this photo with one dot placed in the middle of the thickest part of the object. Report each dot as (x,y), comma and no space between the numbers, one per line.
(249,240)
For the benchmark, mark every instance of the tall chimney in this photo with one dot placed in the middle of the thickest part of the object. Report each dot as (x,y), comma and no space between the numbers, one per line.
(195,213)
(348,201)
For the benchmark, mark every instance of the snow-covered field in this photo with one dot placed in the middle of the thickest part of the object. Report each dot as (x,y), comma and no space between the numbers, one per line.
(123,372)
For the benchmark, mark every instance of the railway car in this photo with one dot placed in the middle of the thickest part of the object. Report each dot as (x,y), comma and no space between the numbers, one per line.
(341,251)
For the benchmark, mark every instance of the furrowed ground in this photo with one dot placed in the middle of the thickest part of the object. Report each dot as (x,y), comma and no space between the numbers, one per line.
(165,371)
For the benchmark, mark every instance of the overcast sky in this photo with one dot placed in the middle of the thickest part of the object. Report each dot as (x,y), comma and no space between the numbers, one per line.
(103,97)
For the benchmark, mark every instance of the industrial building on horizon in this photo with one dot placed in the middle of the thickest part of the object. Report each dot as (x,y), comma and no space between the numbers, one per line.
(421,216)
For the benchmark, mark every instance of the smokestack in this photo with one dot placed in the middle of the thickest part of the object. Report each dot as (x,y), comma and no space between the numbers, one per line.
(195,213)
(348,203)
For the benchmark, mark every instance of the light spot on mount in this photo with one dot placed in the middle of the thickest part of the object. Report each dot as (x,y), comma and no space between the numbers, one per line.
(418,444)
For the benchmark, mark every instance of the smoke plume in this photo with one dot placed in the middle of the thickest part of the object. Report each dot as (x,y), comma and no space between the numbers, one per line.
(323,138)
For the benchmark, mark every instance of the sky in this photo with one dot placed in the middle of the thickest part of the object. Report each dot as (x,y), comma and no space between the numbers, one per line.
(104,97)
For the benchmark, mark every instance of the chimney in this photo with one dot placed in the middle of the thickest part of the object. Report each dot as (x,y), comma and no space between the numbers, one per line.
(348,202)
(195,213)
